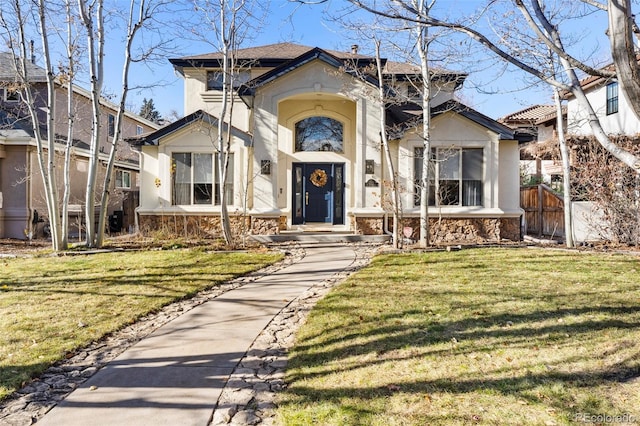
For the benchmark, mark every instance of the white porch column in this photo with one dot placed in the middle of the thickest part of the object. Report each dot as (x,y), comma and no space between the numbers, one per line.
(361,150)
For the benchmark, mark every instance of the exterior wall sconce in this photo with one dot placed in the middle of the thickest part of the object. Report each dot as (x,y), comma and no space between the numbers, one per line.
(265,167)
(369,167)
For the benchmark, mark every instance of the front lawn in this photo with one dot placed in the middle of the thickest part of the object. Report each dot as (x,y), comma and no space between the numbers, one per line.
(486,336)
(50,306)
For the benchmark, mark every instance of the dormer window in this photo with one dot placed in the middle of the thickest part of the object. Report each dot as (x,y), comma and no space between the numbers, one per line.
(214,79)
(612,98)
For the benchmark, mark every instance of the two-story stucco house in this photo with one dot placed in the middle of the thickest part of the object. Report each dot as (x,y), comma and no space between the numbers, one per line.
(23,209)
(306,151)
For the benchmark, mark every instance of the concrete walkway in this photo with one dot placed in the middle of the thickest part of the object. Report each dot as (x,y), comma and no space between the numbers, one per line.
(176,375)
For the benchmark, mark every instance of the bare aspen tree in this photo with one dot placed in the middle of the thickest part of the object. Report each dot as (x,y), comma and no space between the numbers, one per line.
(46,150)
(395,190)
(621,28)
(68,78)
(139,13)
(549,59)
(422,45)
(92,15)
(232,22)
(228,39)
(92,18)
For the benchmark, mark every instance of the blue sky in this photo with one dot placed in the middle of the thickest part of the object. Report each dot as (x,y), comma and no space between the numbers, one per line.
(490,89)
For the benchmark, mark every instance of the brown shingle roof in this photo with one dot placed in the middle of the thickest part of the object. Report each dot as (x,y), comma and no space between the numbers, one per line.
(272,51)
(272,55)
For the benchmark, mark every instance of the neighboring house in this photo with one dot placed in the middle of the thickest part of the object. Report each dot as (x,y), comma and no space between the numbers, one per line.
(306,151)
(617,119)
(614,112)
(22,203)
(536,129)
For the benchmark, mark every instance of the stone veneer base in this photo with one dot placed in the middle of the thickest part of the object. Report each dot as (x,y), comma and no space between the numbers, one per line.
(442,230)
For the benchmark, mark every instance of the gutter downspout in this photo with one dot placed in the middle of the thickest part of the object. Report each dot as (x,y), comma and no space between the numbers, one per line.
(30,232)
(385,226)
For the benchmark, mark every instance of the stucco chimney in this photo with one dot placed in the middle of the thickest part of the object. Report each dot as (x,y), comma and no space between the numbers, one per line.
(354,49)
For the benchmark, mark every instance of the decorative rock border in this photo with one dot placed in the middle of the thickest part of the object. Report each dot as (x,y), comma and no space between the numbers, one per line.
(248,398)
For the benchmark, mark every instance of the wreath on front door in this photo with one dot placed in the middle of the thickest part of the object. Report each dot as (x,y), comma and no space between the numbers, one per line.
(318,178)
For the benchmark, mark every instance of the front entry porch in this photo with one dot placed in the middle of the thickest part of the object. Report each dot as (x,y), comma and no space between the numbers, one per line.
(318,194)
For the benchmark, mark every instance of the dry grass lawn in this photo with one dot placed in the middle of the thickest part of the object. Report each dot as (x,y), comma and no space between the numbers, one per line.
(50,306)
(483,336)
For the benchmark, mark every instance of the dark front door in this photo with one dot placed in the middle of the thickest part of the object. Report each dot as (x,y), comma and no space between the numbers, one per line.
(318,193)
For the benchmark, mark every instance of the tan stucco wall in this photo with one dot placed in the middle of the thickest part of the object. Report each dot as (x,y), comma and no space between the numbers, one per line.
(316,89)
(197,97)
(313,89)
(15,191)
(196,137)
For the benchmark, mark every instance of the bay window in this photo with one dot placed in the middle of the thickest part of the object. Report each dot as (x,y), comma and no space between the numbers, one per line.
(195,179)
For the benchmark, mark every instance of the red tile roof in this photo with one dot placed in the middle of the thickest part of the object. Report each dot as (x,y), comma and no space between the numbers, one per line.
(530,114)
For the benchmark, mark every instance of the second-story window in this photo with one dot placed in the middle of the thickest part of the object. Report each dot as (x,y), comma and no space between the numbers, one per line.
(112,124)
(11,95)
(139,130)
(214,79)
(612,98)
(123,179)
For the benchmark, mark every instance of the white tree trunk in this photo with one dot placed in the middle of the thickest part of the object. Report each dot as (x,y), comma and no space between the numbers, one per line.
(223,156)
(566,172)
(95,56)
(70,123)
(422,45)
(132,29)
(46,159)
(395,193)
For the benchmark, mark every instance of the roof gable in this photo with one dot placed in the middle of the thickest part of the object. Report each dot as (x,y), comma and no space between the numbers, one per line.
(528,115)
(402,117)
(152,139)
(271,55)
(489,123)
(248,89)
(35,73)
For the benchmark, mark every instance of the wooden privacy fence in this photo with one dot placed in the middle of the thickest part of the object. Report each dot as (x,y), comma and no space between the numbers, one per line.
(543,211)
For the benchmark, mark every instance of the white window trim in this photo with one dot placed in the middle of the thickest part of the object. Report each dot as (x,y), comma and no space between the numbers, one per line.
(485,178)
(122,186)
(199,207)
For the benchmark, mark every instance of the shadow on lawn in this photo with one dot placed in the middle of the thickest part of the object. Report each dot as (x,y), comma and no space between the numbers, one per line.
(119,278)
(435,339)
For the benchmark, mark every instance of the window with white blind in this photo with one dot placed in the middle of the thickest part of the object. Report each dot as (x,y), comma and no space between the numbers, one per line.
(455,176)
(195,179)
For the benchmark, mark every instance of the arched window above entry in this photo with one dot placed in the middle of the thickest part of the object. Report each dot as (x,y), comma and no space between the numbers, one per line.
(319,133)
